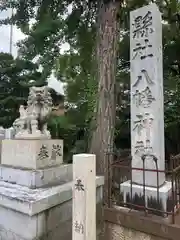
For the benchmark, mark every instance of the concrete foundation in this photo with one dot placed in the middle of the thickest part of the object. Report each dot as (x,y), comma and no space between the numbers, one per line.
(151,195)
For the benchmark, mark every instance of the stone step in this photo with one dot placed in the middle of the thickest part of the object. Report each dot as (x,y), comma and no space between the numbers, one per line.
(36,178)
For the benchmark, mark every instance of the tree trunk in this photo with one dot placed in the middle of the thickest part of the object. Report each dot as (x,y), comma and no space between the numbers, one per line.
(107,43)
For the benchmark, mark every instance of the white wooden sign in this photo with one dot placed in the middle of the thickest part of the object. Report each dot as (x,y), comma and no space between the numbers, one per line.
(84,197)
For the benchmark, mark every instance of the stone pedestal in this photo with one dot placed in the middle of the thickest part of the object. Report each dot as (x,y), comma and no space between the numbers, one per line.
(46,213)
(152,194)
(36,191)
(37,178)
(31,154)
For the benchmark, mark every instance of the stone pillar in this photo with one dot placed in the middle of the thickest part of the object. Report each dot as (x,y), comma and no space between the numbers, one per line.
(147,111)
(2,133)
(84,197)
(147,102)
(9,133)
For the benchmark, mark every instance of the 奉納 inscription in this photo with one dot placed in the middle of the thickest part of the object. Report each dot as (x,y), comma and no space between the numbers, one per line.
(79,227)
(43,152)
(79,186)
(142,25)
(56,151)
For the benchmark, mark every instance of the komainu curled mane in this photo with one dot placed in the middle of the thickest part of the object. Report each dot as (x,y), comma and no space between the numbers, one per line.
(39,105)
(32,122)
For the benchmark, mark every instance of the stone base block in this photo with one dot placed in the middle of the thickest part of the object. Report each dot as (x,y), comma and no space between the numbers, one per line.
(32,154)
(37,178)
(29,214)
(151,195)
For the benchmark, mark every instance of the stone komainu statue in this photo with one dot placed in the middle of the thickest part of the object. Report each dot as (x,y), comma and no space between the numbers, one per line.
(32,122)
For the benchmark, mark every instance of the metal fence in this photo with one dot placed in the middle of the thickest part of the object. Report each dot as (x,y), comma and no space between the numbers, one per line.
(121,171)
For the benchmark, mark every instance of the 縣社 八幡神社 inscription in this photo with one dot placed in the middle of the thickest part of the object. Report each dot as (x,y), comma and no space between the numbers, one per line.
(147,110)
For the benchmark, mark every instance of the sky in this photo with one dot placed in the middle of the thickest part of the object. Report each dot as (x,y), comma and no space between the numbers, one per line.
(18,35)
(5,35)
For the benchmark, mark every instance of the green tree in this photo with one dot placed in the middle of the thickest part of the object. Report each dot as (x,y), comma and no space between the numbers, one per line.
(49,30)
(15,75)
(79,67)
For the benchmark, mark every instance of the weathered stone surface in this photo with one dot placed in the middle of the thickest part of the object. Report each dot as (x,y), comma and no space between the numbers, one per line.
(18,225)
(37,178)
(33,201)
(147,104)
(42,218)
(32,154)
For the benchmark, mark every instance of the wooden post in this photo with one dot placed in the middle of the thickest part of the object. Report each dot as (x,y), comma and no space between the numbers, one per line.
(84,197)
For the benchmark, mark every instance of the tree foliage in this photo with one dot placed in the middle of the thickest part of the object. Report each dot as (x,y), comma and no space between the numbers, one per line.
(15,75)
(78,68)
